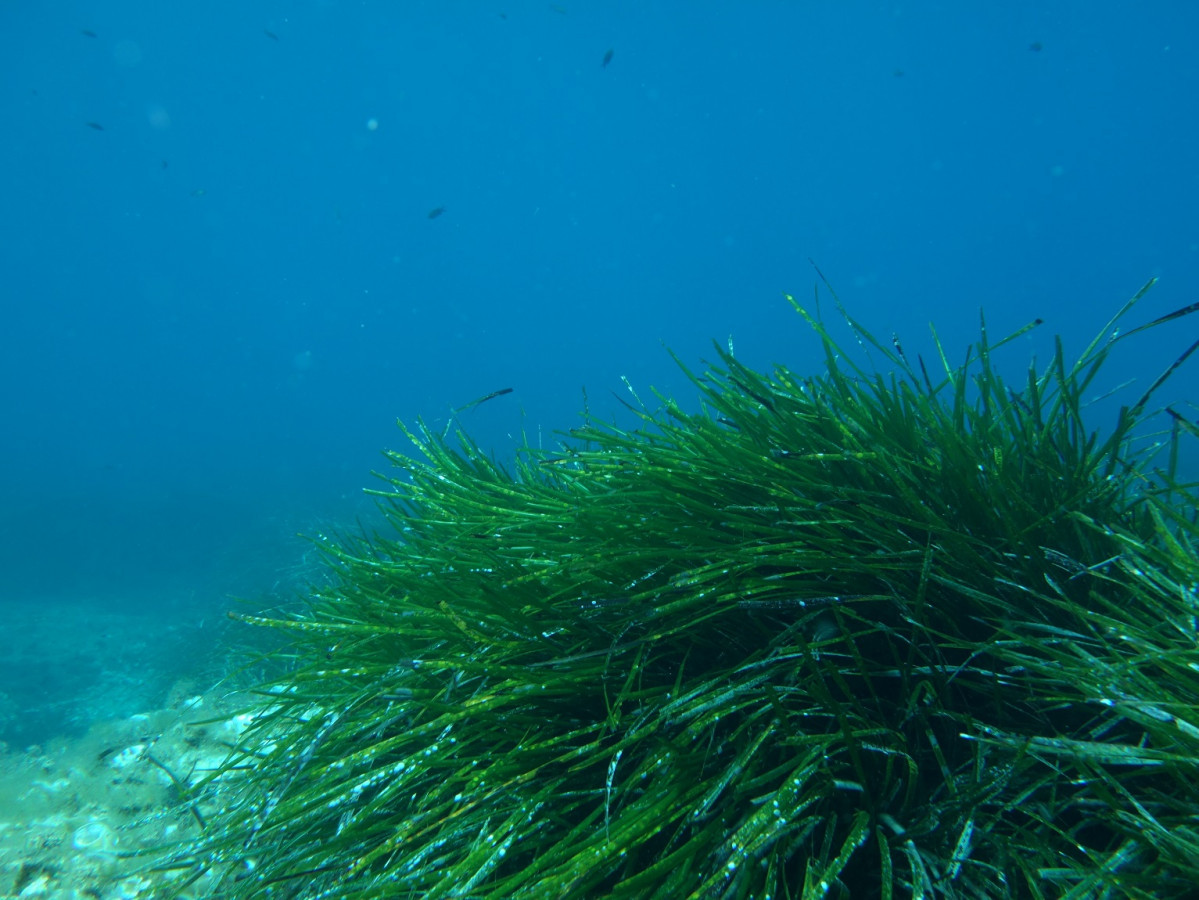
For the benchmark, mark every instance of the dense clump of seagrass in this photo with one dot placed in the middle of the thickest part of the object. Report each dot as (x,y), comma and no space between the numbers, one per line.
(916,633)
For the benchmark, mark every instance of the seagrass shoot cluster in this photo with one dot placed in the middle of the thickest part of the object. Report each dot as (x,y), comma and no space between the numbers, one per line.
(905,629)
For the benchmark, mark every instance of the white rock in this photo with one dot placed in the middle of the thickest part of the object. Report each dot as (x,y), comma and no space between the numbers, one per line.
(38,887)
(132,887)
(238,724)
(95,839)
(122,759)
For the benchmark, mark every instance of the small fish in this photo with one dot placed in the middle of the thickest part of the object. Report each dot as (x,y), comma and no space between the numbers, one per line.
(87,32)
(270,34)
(95,125)
(436,211)
(199,192)
(1036,46)
(484,399)
(607,58)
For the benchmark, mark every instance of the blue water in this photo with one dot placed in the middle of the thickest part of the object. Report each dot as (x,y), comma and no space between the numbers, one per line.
(223,282)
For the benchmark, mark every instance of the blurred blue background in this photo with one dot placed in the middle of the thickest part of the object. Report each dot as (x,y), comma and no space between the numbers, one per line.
(223,279)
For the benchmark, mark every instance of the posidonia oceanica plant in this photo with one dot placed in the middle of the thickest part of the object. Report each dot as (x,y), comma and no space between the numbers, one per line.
(906,631)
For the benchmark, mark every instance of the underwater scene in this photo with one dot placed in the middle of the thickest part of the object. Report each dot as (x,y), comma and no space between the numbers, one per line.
(625,449)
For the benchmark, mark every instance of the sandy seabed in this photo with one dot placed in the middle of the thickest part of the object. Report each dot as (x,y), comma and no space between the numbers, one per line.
(104,724)
(90,817)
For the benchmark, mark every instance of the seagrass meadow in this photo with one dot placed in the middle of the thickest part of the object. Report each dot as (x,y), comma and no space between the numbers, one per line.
(876,631)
